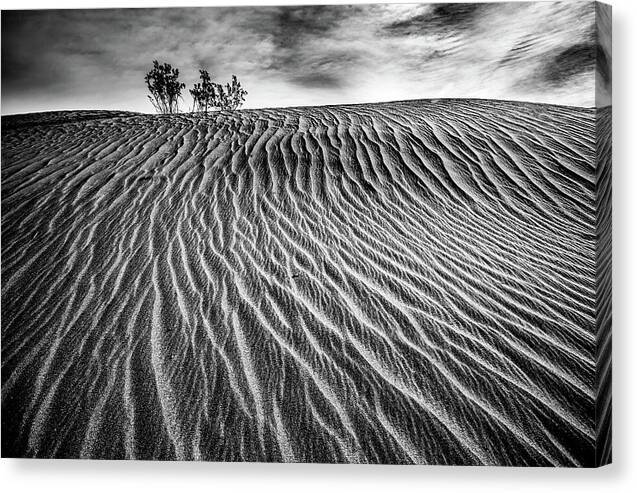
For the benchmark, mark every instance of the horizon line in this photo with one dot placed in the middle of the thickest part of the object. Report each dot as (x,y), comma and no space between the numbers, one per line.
(315,106)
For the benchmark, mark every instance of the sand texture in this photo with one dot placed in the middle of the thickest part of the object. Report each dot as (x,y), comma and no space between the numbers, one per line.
(415,282)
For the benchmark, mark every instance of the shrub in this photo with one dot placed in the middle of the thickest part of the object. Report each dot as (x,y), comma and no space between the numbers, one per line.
(208,95)
(165,88)
(204,94)
(233,95)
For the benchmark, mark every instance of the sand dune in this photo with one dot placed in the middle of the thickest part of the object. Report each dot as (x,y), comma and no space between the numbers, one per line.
(419,282)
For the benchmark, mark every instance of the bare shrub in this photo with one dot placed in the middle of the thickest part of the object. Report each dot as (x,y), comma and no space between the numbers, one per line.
(165,88)
(233,95)
(204,93)
(208,95)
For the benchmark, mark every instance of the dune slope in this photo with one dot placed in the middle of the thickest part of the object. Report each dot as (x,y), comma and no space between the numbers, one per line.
(414,282)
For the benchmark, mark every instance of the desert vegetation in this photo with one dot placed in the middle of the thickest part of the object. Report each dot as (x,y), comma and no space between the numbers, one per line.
(207,95)
(164,86)
(204,94)
(233,95)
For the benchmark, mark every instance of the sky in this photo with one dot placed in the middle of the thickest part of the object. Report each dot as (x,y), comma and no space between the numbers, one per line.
(308,55)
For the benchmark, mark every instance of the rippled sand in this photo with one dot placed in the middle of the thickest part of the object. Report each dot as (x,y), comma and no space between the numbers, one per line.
(421,282)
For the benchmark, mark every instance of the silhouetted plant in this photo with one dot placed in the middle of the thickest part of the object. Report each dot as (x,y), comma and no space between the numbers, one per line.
(208,95)
(234,95)
(204,94)
(165,88)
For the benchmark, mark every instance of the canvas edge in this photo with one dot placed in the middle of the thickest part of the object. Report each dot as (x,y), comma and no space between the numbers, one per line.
(603,234)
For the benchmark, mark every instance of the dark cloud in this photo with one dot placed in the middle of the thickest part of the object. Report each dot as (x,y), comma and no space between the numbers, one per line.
(569,62)
(519,51)
(603,40)
(457,14)
(327,70)
(603,64)
(439,17)
(43,48)
(291,26)
(318,80)
(602,37)
(296,32)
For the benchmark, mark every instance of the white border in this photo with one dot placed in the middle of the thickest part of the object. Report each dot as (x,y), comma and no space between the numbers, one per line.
(46,476)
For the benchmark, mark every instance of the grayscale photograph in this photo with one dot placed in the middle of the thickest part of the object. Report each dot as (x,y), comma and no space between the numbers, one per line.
(358,234)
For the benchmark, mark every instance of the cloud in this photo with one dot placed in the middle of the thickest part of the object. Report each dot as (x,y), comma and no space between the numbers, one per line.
(317,79)
(448,18)
(603,37)
(326,54)
(603,64)
(569,62)
(290,26)
(300,39)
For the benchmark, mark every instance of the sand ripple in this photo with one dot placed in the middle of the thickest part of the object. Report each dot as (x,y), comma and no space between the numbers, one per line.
(423,282)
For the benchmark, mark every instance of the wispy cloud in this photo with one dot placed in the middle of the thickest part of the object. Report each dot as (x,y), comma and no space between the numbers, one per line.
(444,18)
(542,51)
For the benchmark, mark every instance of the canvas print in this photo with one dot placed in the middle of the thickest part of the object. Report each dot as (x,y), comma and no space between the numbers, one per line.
(372,234)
